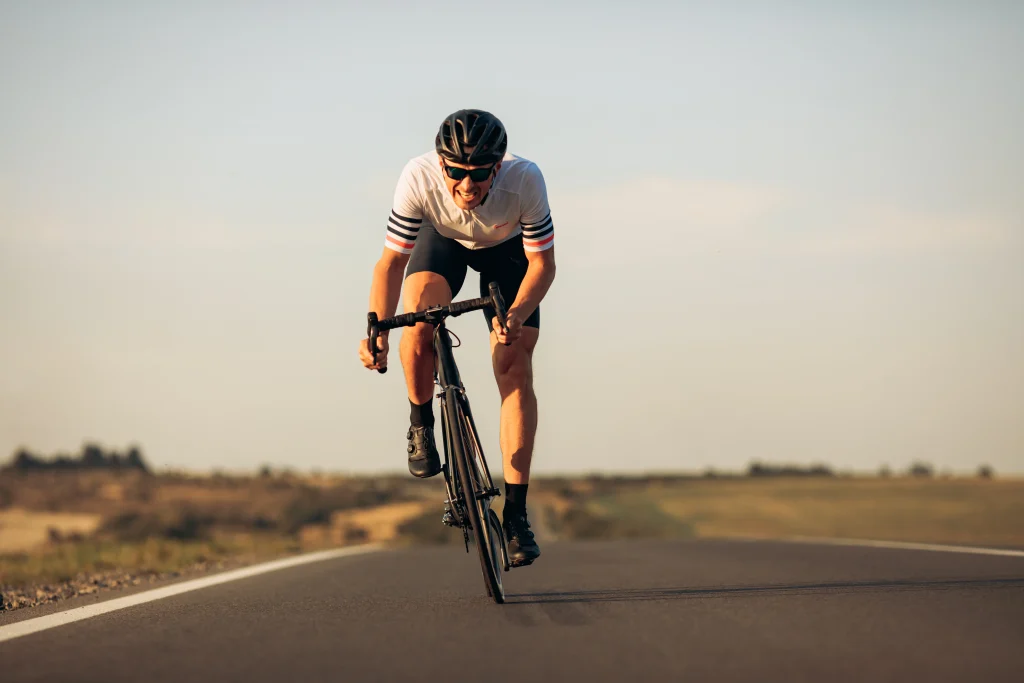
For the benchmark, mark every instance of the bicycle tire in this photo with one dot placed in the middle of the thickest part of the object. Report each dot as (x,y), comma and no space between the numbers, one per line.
(476,510)
(499,538)
(496,533)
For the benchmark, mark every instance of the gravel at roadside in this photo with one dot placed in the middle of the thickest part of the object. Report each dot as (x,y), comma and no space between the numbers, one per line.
(12,598)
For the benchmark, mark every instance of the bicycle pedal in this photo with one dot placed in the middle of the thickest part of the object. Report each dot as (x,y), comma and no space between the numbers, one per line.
(521,563)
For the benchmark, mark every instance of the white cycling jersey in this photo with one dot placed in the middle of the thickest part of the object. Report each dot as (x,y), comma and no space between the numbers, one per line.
(516,203)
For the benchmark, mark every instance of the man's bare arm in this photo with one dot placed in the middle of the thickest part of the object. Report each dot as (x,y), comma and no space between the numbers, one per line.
(386,287)
(385,290)
(539,276)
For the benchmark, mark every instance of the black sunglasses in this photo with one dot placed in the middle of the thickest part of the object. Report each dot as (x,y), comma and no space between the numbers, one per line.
(477,175)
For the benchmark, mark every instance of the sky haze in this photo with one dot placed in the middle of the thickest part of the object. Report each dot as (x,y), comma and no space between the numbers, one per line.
(784,231)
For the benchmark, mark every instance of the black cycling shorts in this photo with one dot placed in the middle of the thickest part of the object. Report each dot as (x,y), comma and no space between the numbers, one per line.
(505,264)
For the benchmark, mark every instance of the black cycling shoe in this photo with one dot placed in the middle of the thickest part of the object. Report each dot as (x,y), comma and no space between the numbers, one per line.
(424,460)
(522,548)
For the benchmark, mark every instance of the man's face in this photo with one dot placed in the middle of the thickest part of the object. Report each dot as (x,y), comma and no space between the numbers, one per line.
(466,192)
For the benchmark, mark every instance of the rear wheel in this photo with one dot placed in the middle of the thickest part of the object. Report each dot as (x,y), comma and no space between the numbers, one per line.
(478,512)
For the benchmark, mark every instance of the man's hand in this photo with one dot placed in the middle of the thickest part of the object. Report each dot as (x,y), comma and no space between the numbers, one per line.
(513,327)
(369,362)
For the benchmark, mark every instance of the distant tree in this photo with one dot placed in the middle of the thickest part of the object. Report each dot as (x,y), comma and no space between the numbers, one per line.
(986,472)
(758,469)
(820,470)
(884,472)
(134,460)
(25,460)
(93,457)
(921,469)
(265,472)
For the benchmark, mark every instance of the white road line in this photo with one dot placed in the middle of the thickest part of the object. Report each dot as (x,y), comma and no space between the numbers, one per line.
(903,546)
(24,628)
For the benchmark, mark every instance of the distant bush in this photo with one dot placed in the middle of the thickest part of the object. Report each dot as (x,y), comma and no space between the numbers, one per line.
(580,523)
(986,472)
(921,470)
(314,506)
(427,529)
(635,520)
(758,469)
(303,511)
(92,457)
(183,526)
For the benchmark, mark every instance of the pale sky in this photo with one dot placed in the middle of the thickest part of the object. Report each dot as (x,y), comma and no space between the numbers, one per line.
(783,232)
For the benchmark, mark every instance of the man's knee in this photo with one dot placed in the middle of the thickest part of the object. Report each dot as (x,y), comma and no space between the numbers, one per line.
(513,365)
(419,337)
(421,290)
(513,370)
(425,289)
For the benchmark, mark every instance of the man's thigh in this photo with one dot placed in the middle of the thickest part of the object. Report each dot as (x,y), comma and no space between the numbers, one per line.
(505,264)
(435,272)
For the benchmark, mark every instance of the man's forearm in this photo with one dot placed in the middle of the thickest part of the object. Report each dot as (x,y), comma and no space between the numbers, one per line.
(386,287)
(536,282)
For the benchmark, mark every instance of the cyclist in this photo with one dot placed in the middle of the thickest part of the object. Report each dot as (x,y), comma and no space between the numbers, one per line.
(469,203)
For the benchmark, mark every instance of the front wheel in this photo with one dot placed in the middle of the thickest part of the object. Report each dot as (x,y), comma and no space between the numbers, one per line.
(478,512)
(498,538)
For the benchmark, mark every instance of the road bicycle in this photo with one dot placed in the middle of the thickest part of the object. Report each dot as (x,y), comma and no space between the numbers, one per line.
(468,486)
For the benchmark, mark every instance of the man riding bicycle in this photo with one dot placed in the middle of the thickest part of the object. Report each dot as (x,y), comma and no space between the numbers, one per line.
(468,203)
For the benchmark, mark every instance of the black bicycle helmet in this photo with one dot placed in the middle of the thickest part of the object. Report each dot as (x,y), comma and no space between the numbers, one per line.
(476,129)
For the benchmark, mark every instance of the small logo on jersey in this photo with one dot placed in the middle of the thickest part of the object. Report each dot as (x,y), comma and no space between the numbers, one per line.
(500,226)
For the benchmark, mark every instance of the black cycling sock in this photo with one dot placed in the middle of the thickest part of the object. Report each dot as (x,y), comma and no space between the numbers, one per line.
(422,415)
(515,497)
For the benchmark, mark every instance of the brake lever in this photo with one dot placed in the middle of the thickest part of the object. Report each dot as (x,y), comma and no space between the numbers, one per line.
(498,302)
(372,333)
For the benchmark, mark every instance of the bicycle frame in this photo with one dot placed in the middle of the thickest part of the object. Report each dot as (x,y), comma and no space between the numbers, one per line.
(452,390)
(447,372)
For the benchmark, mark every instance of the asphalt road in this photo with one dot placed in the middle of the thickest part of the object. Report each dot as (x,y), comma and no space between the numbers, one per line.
(612,611)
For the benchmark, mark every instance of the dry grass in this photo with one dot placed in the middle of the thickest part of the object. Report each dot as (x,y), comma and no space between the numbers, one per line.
(164,523)
(58,525)
(65,561)
(22,530)
(962,511)
(381,524)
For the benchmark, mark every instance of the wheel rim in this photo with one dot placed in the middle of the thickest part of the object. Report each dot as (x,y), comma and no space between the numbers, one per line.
(479,513)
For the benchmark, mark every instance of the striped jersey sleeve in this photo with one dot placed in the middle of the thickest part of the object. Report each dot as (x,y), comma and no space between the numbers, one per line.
(402,232)
(538,230)
(406,215)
